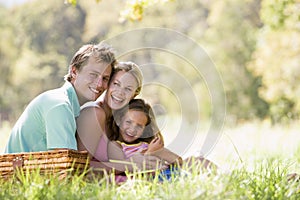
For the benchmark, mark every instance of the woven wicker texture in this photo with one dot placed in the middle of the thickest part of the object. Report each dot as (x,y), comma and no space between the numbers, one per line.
(47,162)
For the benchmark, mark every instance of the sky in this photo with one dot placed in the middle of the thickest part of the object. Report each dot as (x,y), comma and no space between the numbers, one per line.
(9,3)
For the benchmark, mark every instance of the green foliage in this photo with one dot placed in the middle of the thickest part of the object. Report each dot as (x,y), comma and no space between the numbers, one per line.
(276,59)
(73,2)
(254,45)
(37,46)
(231,39)
(278,14)
(134,9)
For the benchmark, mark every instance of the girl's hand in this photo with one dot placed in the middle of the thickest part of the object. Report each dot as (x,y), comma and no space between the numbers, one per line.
(155,145)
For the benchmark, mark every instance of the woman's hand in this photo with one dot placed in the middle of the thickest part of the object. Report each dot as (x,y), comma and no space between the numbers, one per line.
(147,162)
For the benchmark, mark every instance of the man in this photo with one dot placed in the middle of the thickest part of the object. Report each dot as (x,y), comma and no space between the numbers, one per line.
(48,122)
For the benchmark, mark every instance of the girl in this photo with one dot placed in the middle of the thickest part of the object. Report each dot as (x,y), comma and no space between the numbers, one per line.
(135,131)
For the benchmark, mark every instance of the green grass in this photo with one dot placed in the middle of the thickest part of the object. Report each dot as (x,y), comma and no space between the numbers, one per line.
(267,181)
(254,159)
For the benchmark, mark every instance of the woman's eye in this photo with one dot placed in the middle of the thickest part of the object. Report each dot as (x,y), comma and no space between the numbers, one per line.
(116,84)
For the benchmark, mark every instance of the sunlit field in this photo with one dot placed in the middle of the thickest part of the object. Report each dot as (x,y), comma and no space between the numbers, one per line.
(237,146)
(255,161)
(246,144)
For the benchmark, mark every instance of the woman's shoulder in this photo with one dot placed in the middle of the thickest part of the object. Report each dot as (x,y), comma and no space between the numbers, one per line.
(90,104)
(92,110)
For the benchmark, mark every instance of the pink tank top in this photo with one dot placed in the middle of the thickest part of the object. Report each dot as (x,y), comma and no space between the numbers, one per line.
(131,149)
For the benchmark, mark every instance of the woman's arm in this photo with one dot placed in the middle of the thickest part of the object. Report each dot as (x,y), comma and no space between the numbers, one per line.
(90,129)
(115,151)
(167,155)
(156,148)
(138,161)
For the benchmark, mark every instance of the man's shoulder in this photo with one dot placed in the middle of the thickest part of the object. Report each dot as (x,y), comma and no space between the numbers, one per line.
(54,96)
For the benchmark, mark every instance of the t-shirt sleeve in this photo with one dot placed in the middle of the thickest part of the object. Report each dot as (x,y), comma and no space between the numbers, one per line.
(60,128)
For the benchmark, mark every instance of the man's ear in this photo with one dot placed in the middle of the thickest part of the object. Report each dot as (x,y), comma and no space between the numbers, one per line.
(73,72)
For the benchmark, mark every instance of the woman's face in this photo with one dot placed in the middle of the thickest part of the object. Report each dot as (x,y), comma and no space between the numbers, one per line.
(121,90)
(132,125)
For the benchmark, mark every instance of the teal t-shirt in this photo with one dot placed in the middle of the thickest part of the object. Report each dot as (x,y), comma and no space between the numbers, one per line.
(48,122)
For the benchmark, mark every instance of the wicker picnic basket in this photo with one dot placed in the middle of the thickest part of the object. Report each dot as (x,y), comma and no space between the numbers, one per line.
(60,162)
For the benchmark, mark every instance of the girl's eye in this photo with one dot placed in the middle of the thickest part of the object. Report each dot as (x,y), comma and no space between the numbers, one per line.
(139,128)
(128,89)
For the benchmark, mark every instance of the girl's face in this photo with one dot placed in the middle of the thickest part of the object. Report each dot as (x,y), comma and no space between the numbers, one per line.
(132,125)
(121,90)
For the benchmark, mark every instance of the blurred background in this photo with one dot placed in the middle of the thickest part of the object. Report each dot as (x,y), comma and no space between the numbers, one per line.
(254,45)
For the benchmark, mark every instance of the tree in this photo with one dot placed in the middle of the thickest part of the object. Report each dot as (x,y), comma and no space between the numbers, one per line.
(276,60)
(133,9)
(8,54)
(231,39)
(43,38)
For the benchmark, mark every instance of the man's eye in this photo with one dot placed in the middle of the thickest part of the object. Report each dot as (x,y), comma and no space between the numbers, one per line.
(105,79)
(128,89)
(93,76)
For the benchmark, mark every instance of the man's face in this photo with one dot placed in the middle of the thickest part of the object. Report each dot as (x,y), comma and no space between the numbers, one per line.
(91,81)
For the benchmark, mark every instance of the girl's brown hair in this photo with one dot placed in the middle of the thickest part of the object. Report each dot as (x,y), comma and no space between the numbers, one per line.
(151,129)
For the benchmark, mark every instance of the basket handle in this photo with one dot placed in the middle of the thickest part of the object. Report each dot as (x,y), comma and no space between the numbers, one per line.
(17,162)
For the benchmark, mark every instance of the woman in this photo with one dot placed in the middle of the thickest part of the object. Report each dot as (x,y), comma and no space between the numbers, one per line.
(94,123)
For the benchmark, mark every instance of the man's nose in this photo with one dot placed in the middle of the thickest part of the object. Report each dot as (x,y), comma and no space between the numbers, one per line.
(99,82)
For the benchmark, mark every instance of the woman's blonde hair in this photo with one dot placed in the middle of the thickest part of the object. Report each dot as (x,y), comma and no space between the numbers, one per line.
(134,70)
